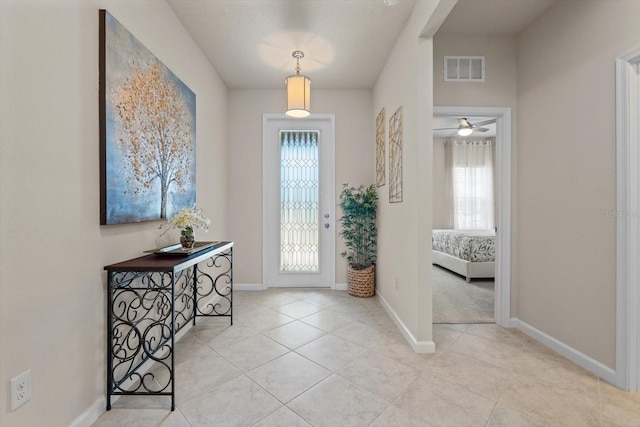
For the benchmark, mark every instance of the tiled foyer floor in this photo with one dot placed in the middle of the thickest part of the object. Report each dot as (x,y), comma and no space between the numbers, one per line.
(323,358)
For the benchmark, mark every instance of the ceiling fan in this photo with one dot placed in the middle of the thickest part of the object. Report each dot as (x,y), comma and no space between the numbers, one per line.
(465,127)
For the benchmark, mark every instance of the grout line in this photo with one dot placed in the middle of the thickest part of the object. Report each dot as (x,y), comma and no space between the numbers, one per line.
(600,401)
(491,414)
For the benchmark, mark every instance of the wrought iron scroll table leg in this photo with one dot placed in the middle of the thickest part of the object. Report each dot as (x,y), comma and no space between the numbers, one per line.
(110,294)
(173,342)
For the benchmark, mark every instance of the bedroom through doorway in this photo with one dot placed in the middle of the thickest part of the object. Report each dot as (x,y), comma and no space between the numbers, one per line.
(469,176)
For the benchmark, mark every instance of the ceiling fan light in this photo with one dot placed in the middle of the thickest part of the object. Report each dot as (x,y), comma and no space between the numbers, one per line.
(464,131)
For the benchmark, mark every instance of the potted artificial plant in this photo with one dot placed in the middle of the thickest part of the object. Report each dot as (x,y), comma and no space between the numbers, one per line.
(359,207)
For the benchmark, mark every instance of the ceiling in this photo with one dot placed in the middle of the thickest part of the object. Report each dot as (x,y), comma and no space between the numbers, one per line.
(249,42)
(492,17)
(346,42)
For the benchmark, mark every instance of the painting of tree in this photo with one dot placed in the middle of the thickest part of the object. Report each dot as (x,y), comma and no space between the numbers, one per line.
(148,146)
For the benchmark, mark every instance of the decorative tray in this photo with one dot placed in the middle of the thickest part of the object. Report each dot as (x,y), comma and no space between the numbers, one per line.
(178,250)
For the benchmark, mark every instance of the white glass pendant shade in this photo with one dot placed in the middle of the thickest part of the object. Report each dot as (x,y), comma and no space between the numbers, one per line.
(465,131)
(298,95)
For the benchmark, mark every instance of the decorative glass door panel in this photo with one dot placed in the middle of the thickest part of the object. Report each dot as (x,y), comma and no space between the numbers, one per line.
(299,202)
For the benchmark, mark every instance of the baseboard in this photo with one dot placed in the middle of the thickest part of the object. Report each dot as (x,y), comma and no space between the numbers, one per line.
(247,287)
(341,287)
(417,346)
(591,365)
(91,414)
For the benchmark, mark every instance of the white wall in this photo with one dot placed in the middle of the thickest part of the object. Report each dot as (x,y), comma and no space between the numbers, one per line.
(499,88)
(567,173)
(355,164)
(404,246)
(440,208)
(52,248)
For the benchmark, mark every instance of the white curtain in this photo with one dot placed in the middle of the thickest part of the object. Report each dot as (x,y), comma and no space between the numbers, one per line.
(470,176)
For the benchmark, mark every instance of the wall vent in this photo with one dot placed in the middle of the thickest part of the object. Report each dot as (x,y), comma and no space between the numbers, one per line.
(464,68)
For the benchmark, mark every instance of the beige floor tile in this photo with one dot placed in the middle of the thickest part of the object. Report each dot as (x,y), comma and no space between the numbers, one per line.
(496,353)
(330,351)
(230,336)
(328,320)
(456,326)
(288,376)
(396,417)
(557,372)
(198,375)
(252,352)
(503,416)
(474,365)
(265,320)
(615,416)
(208,328)
(246,310)
(352,308)
(141,402)
(623,399)
(239,402)
(298,309)
(283,417)
(141,418)
(401,351)
(294,334)
(189,347)
(325,299)
(380,375)
(363,335)
(477,376)
(274,299)
(444,336)
(337,402)
(443,403)
(569,404)
(498,333)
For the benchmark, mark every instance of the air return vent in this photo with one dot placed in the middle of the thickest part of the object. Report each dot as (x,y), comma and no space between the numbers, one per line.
(464,68)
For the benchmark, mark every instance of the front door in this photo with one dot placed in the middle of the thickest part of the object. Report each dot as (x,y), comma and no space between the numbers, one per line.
(298,201)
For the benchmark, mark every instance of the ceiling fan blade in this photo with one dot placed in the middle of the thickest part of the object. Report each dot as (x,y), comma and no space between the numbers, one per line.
(447,129)
(486,122)
(481,129)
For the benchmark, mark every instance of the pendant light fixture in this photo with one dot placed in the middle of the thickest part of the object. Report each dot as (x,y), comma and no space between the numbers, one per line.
(298,90)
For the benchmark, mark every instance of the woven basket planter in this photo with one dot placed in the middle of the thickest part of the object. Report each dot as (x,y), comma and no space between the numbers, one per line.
(362,283)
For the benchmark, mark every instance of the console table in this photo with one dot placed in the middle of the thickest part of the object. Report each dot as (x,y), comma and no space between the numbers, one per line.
(151,298)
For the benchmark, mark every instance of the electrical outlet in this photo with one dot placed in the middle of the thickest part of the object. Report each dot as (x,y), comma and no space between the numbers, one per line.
(397,283)
(20,390)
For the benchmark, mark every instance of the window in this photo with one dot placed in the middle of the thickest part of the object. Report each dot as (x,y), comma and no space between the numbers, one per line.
(473,198)
(469,167)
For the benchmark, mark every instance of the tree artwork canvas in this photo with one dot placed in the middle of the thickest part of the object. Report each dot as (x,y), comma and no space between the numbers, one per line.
(147,132)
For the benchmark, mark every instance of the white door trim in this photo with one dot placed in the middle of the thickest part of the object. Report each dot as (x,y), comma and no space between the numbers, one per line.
(627,230)
(502,309)
(267,253)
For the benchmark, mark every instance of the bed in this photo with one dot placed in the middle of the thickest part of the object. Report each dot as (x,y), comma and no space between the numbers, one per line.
(470,253)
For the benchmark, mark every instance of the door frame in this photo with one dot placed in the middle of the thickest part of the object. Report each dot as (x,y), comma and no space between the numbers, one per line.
(627,229)
(268,255)
(502,304)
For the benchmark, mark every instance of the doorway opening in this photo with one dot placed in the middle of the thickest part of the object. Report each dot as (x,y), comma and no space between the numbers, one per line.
(482,269)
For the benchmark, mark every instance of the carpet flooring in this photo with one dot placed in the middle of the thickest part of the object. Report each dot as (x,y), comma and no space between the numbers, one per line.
(456,301)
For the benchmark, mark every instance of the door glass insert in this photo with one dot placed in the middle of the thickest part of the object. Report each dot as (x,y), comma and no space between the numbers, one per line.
(299,202)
